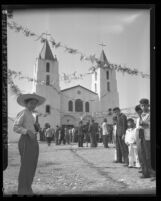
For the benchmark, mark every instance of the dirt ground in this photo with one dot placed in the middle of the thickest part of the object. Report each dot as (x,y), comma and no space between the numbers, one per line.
(67,169)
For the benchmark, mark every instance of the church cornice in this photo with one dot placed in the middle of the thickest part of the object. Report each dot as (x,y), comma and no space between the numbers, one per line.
(77,87)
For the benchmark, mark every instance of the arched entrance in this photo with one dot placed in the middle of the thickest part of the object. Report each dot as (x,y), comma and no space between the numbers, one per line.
(68,120)
(87,118)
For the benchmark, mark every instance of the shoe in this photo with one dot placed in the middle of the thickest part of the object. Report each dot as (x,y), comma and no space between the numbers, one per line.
(144,177)
(140,171)
(115,161)
(126,165)
(130,166)
(136,167)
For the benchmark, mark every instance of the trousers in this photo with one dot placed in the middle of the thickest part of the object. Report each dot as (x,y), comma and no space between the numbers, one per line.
(93,139)
(143,147)
(122,150)
(133,156)
(105,140)
(29,152)
(80,140)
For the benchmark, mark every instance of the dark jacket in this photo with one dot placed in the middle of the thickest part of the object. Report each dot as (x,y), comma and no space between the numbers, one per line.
(80,130)
(121,124)
(93,128)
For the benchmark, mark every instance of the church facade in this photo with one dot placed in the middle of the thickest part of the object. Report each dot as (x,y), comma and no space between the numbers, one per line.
(68,106)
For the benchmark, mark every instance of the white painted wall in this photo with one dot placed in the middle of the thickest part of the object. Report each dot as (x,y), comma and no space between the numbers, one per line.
(72,94)
(52,94)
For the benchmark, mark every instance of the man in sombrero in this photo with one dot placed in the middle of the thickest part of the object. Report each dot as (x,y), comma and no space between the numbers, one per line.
(28,144)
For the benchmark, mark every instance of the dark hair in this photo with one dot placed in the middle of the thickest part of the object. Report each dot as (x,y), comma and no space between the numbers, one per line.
(29,99)
(47,125)
(114,118)
(116,109)
(105,120)
(144,101)
(130,120)
(138,108)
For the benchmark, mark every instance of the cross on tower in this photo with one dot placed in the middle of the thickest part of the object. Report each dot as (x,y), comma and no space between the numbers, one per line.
(102,45)
(46,34)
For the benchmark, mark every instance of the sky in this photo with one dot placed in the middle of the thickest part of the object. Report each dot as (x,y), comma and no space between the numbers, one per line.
(125,32)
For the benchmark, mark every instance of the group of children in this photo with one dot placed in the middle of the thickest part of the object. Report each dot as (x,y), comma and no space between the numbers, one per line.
(137,139)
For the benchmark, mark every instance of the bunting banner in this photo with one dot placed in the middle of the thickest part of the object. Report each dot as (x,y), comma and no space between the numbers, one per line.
(92,58)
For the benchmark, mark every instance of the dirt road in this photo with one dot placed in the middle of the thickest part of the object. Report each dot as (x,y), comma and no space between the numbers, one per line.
(67,169)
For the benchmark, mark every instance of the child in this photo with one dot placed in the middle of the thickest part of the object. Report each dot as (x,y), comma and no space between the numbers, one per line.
(130,140)
(28,144)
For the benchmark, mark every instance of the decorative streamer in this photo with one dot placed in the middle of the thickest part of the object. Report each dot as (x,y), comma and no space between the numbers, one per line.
(13,25)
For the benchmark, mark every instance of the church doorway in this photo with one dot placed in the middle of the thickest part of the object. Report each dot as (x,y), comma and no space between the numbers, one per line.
(87,118)
(68,121)
(67,126)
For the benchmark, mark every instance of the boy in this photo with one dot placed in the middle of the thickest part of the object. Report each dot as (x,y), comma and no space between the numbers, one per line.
(145,124)
(28,144)
(130,140)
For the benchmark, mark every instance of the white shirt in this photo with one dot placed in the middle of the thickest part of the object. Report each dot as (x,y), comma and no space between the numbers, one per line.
(130,136)
(25,120)
(110,119)
(114,130)
(73,131)
(49,132)
(104,128)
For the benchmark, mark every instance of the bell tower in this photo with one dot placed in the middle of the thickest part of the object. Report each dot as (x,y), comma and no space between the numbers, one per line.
(46,72)
(104,83)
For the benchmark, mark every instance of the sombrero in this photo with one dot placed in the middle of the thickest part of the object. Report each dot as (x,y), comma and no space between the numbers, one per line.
(23,97)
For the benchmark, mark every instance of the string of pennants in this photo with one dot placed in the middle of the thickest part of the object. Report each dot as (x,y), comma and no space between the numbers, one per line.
(96,63)
(16,91)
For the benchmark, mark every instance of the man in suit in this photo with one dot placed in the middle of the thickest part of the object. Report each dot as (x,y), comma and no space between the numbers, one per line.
(80,134)
(121,147)
(93,129)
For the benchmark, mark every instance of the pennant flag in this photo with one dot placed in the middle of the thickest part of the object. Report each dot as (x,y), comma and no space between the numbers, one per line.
(57,45)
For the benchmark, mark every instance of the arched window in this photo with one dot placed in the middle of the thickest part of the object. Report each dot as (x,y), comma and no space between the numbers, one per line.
(108,86)
(87,106)
(47,79)
(79,105)
(70,106)
(47,67)
(107,75)
(48,109)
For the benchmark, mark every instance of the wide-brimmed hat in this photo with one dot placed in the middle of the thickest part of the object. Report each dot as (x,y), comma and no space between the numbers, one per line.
(23,97)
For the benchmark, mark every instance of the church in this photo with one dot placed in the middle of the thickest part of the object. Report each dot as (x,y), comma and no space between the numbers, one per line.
(66,107)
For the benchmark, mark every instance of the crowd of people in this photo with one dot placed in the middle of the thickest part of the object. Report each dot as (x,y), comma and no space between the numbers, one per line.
(131,138)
